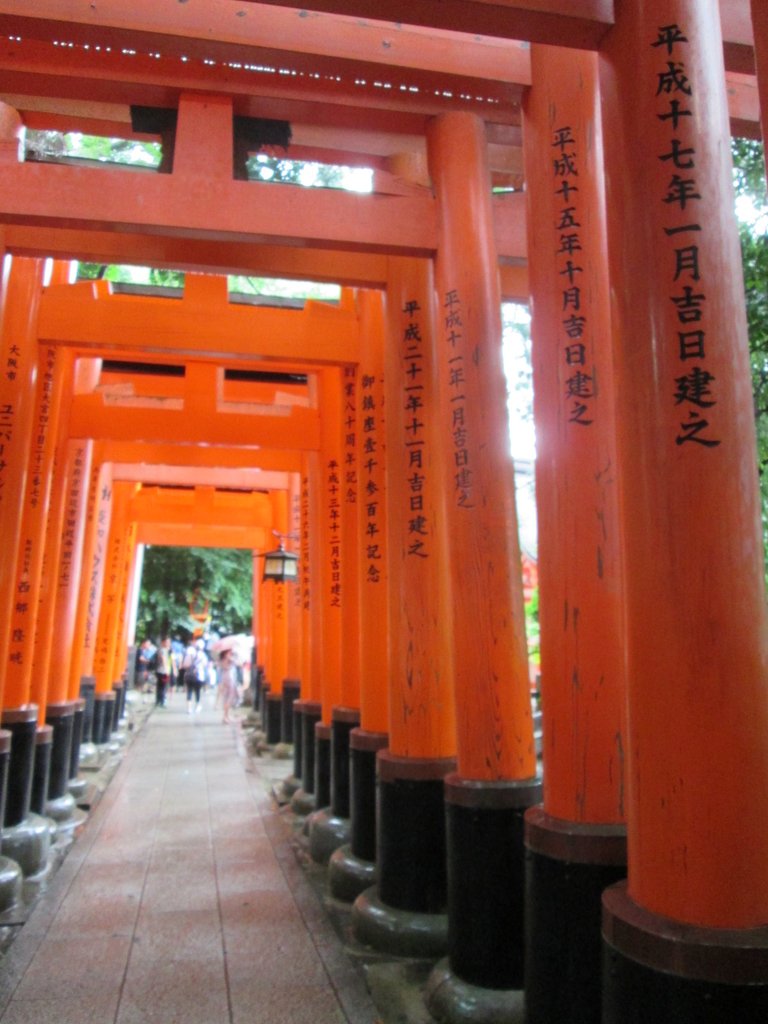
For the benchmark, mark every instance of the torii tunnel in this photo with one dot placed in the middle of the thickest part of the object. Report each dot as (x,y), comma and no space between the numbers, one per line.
(572,155)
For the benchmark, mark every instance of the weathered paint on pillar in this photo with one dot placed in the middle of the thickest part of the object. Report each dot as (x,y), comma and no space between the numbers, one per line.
(494,726)
(697,747)
(108,622)
(129,582)
(351,497)
(92,578)
(331,473)
(760,31)
(53,378)
(582,677)
(372,518)
(20,290)
(422,720)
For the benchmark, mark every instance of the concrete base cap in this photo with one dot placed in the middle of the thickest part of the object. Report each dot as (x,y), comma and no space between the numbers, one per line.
(349,875)
(77,787)
(400,932)
(10,883)
(453,1001)
(326,834)
(28,843)
(289,786)
(61,809)
(302,802)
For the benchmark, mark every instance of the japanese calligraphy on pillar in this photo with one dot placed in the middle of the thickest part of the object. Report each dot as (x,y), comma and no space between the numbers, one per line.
(304,561)
(415,430)
(676,109)
(462,464)
(6,436)
(334,532)
(70,518)
(110,603)
(372,429)
(103,506)
(295,513)
(41,427)
(22,620)
(579,389)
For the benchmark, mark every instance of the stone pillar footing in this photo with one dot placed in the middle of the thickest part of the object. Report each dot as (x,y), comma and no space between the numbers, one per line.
(661,970)
(453,1001)
(349,875)
(327,832)
(28,843)
(399,932)
(11,881)
(302,802)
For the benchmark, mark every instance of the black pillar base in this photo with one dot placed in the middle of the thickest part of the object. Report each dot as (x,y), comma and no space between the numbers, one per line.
(117,689)
(22,725)
(486,878)
(363,748)
(263,695)
(88,692)
(660,970)
(291,692)
(343,721)
(322,765)
(327,833)
(568,866)
(41,771)
(76,785)
(405,912)
(273,712)
(298,742)
(103,714)
(304,800)
(348,875)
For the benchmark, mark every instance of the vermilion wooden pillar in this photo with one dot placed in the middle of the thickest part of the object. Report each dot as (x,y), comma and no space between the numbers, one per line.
(292,682)
(329,827)
(404,912)
(687,937)
(98,510)
(760,30)
(21,289)
(496,778)
(351,868)
(576,839)
(278,596)
(108,624)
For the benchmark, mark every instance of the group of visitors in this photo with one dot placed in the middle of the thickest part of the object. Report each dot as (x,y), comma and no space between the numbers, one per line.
(190,669)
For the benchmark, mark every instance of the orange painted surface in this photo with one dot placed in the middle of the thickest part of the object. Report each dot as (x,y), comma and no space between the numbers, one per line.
(760,29)
(129,582)
(331,552)
(309,568)
(422,715)
(53,378)
(97,518)
(20,292)
(372,513)
(494,720)
(108,623)
(697,661)
(351,499)
(579,558)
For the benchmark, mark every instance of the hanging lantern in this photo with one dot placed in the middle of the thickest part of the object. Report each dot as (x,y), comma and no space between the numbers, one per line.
(280,565)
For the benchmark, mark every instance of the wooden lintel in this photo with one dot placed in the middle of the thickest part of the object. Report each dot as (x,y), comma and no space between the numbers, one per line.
(191,476)
(147,454)
(246,212)
(91,418)
(77,317)
(189,536)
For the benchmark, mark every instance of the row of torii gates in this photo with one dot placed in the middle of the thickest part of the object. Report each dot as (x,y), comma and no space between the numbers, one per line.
(376,430)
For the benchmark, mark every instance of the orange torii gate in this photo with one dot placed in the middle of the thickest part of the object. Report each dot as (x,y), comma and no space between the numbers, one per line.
(680,932)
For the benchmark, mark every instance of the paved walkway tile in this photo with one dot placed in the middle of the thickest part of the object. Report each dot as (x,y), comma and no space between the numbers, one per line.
(181,902)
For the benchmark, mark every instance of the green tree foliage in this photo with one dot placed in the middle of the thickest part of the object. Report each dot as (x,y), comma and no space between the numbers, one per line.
(172,575)
(750,182)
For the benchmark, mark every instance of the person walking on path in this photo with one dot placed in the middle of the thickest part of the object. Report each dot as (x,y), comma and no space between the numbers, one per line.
(195,677)
(227,683)
(163,671)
